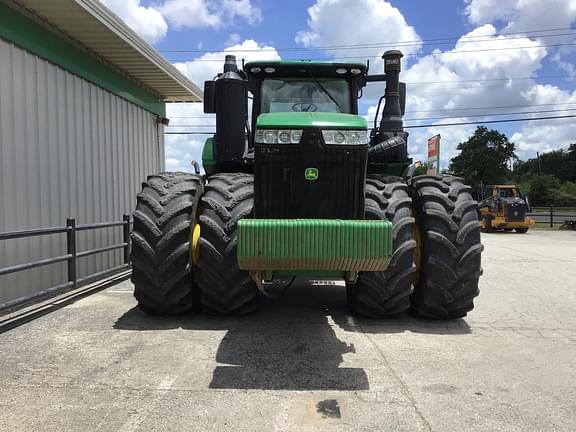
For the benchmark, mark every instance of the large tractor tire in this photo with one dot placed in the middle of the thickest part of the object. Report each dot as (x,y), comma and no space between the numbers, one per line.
(448,257)
(387,293)
(224,287)
(163,220)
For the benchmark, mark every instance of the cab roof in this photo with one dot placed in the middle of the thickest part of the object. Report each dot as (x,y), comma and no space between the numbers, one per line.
(257,69)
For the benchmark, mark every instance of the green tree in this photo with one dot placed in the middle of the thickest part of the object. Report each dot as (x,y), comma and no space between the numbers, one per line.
(483,158)
(559,163)
(544,190)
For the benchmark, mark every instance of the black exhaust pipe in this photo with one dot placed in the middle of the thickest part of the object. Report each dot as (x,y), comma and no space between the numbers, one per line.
(392,113)
(231,113)
(389,140)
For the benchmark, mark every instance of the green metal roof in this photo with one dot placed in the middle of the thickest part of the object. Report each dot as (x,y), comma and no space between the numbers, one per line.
(70,31)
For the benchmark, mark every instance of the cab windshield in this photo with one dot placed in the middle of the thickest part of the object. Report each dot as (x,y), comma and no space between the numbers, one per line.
(305,95)
(507,193)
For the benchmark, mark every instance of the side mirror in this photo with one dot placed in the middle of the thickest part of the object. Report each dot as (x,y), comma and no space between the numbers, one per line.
(402,97)
(209,97)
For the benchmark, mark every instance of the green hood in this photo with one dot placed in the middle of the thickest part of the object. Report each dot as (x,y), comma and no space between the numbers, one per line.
(306,120)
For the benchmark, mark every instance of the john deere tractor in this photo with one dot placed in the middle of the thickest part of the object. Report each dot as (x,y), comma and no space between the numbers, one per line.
(300,187)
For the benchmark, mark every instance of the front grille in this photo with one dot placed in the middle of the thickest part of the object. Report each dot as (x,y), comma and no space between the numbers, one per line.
(515,212)
(282,190)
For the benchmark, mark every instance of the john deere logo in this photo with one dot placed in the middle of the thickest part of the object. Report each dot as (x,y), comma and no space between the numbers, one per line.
(311,174)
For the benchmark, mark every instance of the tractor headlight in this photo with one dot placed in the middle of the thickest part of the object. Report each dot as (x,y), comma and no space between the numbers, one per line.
(345,137)
(283,136)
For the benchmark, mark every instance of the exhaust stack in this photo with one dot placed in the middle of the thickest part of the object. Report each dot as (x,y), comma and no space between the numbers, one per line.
(392,113)
(231,113)
(389,139)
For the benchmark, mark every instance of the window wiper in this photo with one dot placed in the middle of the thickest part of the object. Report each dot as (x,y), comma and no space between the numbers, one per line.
(321,87)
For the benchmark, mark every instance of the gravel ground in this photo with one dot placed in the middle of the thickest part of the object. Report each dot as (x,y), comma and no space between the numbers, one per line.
(303,364)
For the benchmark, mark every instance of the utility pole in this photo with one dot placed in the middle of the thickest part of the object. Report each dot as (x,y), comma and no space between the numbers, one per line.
(539,166)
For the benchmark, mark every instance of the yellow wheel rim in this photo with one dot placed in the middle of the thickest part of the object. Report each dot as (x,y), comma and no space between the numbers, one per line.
(196,244)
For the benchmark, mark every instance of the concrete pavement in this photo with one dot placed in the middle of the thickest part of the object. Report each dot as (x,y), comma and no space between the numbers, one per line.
(302,363)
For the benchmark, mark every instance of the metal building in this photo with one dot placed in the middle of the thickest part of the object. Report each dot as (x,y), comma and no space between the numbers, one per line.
(82,102)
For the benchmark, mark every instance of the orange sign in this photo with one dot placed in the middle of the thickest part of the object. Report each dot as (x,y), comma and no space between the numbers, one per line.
(433,148)
(433,155)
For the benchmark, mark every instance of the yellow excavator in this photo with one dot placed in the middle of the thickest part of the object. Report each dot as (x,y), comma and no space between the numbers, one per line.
(503,207)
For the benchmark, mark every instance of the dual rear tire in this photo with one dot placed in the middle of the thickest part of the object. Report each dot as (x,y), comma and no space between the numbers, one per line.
(161,264)
(167,278)
(387,293)
(450,248)
(435,266)
(223,286)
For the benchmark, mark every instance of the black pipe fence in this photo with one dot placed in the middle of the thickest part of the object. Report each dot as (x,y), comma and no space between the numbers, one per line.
(552,215)
(72,255)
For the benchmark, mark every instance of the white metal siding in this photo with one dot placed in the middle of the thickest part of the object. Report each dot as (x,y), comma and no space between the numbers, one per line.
(67,149)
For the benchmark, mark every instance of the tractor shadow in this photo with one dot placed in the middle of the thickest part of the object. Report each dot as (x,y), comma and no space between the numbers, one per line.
(291,343)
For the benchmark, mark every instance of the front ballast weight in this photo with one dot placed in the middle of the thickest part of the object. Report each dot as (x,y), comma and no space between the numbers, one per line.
(327,247)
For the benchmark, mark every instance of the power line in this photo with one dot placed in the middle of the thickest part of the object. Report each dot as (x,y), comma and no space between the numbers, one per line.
(491,114)
(489,121)
(490,107)
(465,86)
(507,79)
(440,41)
(421,126)
(433,53)
(429,118)
(488,79)
(211,116)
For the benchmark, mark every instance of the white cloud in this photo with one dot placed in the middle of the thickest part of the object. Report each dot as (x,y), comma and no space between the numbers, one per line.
(373,26)
(357,22)
(233,39)
(203,13)
(522,15)
(189,13)
(243,9)
(181,149)
(148,22)
(549,134)
(455,80)
(473,68)
(526,15)
(208,65)
(475,75)
(565,66)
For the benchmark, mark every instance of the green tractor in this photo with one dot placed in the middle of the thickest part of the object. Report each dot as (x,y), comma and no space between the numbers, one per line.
(301,187)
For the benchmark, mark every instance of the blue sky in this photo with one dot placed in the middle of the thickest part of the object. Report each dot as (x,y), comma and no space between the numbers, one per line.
(463,58)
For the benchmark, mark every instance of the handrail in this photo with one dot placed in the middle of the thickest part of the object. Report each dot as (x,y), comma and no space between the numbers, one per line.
(72,254)
(550,214)
(32,232)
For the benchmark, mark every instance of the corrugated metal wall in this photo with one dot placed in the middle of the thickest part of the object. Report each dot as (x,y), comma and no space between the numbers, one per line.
(67,149)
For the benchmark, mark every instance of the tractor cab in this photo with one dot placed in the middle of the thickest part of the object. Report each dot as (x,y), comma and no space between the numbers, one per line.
(304,86)
(507,191)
